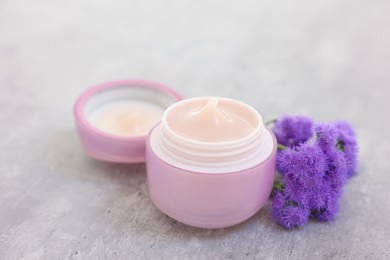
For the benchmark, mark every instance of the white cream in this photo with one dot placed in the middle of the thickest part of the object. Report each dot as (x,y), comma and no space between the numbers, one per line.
(126,117)
(213,120)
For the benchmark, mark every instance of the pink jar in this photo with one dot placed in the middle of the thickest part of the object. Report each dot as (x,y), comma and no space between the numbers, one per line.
(210,185)
(105,146)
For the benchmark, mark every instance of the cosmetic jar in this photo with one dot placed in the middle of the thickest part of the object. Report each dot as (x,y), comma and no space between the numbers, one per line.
(210,177)
(95,104)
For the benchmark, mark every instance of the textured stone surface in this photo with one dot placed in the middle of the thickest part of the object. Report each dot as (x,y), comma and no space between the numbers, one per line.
(327,59)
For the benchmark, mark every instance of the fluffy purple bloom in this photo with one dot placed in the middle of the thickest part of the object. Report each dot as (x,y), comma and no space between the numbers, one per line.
(292,130)
(318,199)
(303,168)
(338,137)
(314,170)
(347,143)
(329,210)
(336,170)
(288,213)
(346,128)
(278,203)
(326,136)
(294,189)
(303,162)
(295,216)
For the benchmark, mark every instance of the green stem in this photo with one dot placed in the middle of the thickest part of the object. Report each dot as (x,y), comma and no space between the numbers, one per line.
(270,122)
(277,186)
(281,147)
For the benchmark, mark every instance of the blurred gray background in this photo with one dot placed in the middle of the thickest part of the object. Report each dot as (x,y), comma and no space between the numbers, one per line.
(326,59)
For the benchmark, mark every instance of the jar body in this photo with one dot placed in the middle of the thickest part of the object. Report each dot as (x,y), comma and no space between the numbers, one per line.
(209,200)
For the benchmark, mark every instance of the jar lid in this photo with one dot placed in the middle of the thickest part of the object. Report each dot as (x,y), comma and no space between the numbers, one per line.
(113,118)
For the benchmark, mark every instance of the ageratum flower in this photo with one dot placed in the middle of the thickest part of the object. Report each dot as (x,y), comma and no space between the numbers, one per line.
(336,169)
(339,135)
(328,211)
(318,199)
(326,136)
(303,169)
(304,161)
(292,130)
(289,213)
(313,171)
(347,143)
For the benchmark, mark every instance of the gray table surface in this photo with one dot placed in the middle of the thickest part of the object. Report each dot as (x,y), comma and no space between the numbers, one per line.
(327,59)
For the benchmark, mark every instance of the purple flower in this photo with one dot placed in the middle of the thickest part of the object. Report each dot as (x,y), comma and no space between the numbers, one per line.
(345,127)
(336,170)
(317,199)
(278,203)
(303,168)
(326,136)
(338,137)
(347,143)
(328,211)
(295,215)
(292,130)
(303,162)
(294,189)
(288,213)
(314,170)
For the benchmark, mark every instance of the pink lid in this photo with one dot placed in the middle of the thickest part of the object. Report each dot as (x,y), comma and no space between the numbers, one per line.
(105,146)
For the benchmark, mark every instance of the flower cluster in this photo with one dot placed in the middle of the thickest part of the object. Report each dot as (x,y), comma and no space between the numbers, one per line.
(315,162)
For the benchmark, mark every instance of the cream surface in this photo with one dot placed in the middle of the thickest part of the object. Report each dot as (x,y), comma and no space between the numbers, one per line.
(212,119)
(126,118)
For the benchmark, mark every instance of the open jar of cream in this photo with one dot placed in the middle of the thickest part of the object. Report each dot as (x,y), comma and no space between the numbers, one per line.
(114,118)
(210,162)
